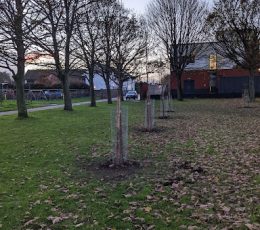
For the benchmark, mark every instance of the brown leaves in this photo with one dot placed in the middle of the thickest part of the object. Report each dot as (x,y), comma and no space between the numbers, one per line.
(29,222)
(147,209)
(211,159)
(226,209)
(62,217)
(201,170)
(193,228)
(250,226)
(79,225)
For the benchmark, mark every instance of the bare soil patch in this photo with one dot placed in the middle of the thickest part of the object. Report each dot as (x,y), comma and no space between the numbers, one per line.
(106,171)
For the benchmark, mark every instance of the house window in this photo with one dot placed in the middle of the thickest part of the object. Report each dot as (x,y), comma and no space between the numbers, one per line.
(213,62)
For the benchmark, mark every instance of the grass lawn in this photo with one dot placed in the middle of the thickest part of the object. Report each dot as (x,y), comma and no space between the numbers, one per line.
(198,170)
(9,105)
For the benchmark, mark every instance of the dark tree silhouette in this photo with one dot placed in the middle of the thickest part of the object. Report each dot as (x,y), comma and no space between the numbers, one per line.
(108,13)
(54,36)
(15,25)
(178,24)
(87,40)
(235,24)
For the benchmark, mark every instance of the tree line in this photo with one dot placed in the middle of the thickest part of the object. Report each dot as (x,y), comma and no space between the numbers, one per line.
(103,35)
(96,35)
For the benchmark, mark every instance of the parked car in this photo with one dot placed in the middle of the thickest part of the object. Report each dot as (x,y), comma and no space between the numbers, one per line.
(131,95)
(53,94)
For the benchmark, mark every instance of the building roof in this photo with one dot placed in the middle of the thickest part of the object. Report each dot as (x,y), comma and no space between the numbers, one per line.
(35,74)
(202,59)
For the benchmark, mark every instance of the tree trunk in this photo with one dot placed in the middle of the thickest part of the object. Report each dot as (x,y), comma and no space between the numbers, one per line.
(251,86)
(19,78)
(179,88)
(119,135)
(20,97)
(170,94)
(66,94)
(109,96)
(92,91)
(120,90)
(149,115)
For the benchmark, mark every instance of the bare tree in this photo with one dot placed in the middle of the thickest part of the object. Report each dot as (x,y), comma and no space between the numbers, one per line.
(130,46)
(87,39)
(54,36)
(108,21)
(236,27)
(15,24)
(178,24)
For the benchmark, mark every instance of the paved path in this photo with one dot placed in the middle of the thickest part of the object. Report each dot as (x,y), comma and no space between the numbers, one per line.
(49,107)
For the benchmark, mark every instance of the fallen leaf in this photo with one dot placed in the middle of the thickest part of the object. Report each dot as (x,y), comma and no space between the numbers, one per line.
(148,209)
(56,220)
(149,197)
(79,225)
(127,195)
(226,209)
(29,222)
(250,226)
(192,228)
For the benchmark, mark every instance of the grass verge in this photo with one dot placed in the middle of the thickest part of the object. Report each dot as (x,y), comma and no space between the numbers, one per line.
(199,171)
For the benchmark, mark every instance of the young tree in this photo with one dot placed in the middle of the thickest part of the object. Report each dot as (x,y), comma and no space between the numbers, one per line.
(166,81)
(15,24)
(87,39)
(236,27)
(54,36)
(178,24)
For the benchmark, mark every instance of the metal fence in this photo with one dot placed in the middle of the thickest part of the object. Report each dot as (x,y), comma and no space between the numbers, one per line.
(40,94)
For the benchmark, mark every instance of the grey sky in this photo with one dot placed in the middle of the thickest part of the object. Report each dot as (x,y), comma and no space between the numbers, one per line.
(139,6)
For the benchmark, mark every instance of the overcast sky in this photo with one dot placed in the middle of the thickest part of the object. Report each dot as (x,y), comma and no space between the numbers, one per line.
(139,6)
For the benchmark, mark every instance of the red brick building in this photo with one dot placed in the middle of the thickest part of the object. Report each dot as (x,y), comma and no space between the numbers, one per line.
(223,82)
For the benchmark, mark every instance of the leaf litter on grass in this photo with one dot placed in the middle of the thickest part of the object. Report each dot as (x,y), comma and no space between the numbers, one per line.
(216,185)
(198,172)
